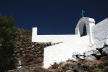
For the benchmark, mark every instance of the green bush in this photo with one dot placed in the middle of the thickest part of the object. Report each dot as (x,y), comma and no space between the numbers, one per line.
(7,37)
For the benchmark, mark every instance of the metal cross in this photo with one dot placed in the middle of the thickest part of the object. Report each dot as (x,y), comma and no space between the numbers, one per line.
(82,13)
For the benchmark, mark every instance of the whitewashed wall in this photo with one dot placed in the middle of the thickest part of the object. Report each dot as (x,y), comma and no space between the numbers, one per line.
(64,51)
(69,44)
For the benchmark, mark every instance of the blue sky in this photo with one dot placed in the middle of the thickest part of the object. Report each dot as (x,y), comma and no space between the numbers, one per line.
(52,16)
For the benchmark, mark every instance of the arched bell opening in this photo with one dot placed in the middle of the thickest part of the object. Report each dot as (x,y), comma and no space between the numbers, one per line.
(85,27)
(82,29)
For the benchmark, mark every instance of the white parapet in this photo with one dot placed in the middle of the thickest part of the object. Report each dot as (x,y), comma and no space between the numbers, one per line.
(34,34)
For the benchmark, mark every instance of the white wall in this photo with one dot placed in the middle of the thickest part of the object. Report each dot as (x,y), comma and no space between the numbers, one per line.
(52,38)
(69,44)
(64,51)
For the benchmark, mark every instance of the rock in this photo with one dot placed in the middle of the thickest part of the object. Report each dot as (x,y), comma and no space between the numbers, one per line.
(39,69)
(106,69)
(91,68)
(96,52)
(69,71)
(97,56)
(100,66)
(98,70)
(104,58)
(21,49)
(75,70)
(66,67)
(105,62)
(88,53)
(105,50)
(56,70)
(100,50)
(92,52)
(85,66)
(75,57)
(55,66)
(23,55)
(90,57)
(39,60)
(81,57)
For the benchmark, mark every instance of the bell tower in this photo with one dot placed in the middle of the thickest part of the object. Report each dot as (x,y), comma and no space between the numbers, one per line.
(89,23)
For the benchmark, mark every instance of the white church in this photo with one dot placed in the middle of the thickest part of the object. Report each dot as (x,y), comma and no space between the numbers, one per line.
(67,45)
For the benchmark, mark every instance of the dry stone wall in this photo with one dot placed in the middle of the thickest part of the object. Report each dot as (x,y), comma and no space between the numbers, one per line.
(29,52)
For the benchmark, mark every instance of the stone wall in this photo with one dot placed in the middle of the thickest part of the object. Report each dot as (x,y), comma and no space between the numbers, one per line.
(27,51)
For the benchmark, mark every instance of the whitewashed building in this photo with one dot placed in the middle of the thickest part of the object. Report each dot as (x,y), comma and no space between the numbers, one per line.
(67,45)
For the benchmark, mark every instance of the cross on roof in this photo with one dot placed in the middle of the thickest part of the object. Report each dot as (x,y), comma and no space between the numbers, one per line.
(82,13)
